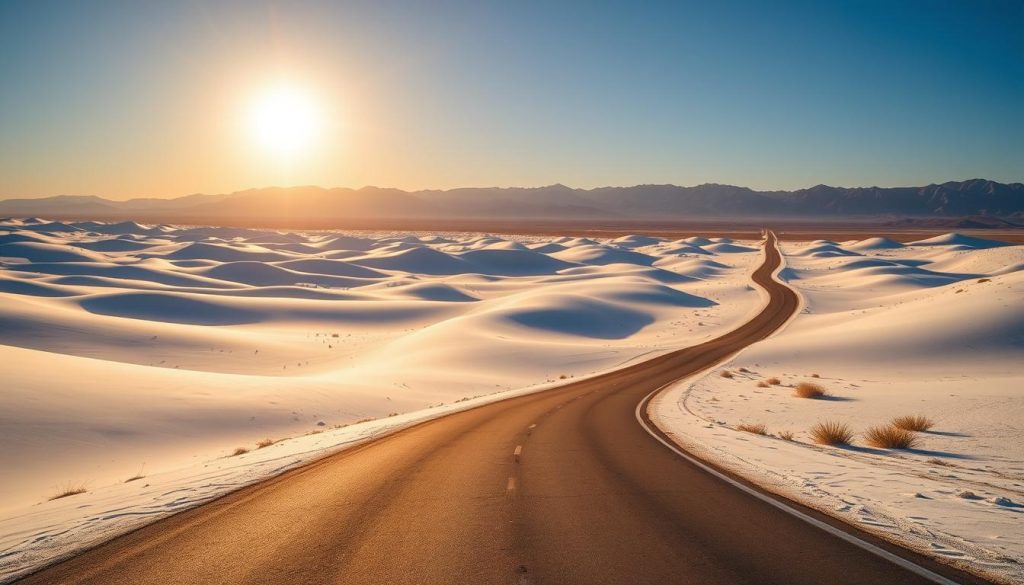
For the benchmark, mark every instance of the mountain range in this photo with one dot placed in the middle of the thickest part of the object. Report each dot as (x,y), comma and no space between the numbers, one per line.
(988,200)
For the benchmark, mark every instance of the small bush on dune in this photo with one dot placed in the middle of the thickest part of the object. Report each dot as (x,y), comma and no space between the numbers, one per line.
(815,376)
(744,370)
(913,423)
(240,451)
(809,390)
(773,381)
(831,433)
(68,490)
(786,435)
(264,443)
(757,429)
(762,385)
(726,374)
(890,437)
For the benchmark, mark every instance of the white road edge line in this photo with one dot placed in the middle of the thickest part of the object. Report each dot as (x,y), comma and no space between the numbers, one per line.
(517,453)
(842,534)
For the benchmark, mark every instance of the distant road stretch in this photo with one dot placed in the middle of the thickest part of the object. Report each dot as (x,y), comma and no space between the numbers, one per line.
(559,487)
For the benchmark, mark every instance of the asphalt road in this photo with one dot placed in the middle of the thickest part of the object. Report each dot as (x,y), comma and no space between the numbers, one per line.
(559,487)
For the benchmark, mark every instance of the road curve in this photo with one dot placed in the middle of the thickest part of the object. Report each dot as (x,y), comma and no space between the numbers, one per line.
(558,487)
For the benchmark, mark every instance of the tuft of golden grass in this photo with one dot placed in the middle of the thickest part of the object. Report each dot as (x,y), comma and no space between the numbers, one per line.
(773,381)
(831,432)
(786,435)
(809,390)
(916,422)
(726,374)
(815,376)
(762,384)
(264,443)
(757,429)
(68,490)
(239,451)
(890,437)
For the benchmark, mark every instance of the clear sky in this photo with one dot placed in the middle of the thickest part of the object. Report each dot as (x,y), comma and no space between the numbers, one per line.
(144,98)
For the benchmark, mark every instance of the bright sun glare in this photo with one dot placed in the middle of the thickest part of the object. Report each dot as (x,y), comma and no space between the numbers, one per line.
(284,119)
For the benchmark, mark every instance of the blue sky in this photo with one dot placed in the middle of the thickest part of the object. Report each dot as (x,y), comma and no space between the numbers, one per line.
(144,98)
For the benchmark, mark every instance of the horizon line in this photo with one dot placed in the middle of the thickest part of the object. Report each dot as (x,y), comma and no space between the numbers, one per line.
(510,187)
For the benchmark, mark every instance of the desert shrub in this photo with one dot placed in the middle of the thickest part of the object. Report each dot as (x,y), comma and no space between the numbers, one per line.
(832,433)
(815,376)
(890,437)
(744,370)
(916,422)
(786,435)
(239,451)
(809,390)
(726,374)
(773,381)
(757,429)
(762,384)
(264,443)
(68,490)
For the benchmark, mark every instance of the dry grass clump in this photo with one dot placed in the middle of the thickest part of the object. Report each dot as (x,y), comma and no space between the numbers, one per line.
(744,370)
(786,435)
(815,376)
(240,451)
(917,422)
(762,384)
(726,374)
(809,390)
(890,437)
(757,429)
(264,443)
(831,432)
(68,490)
(773,381)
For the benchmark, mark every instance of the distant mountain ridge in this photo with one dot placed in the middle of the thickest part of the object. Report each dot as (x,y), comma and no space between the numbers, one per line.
(977,197)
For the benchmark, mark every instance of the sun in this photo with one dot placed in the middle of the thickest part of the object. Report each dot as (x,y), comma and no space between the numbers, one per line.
(284,119)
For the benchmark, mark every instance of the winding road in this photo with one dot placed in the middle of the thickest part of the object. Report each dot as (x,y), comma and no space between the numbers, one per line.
(559,487)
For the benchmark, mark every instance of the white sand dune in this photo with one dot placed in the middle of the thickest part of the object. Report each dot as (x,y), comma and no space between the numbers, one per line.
(934,328)
(160,349)
(875,244)
(598,255)
(955,239)
(725,246)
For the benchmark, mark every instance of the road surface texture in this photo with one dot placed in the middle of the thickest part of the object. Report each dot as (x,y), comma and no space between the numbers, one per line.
(559,487)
